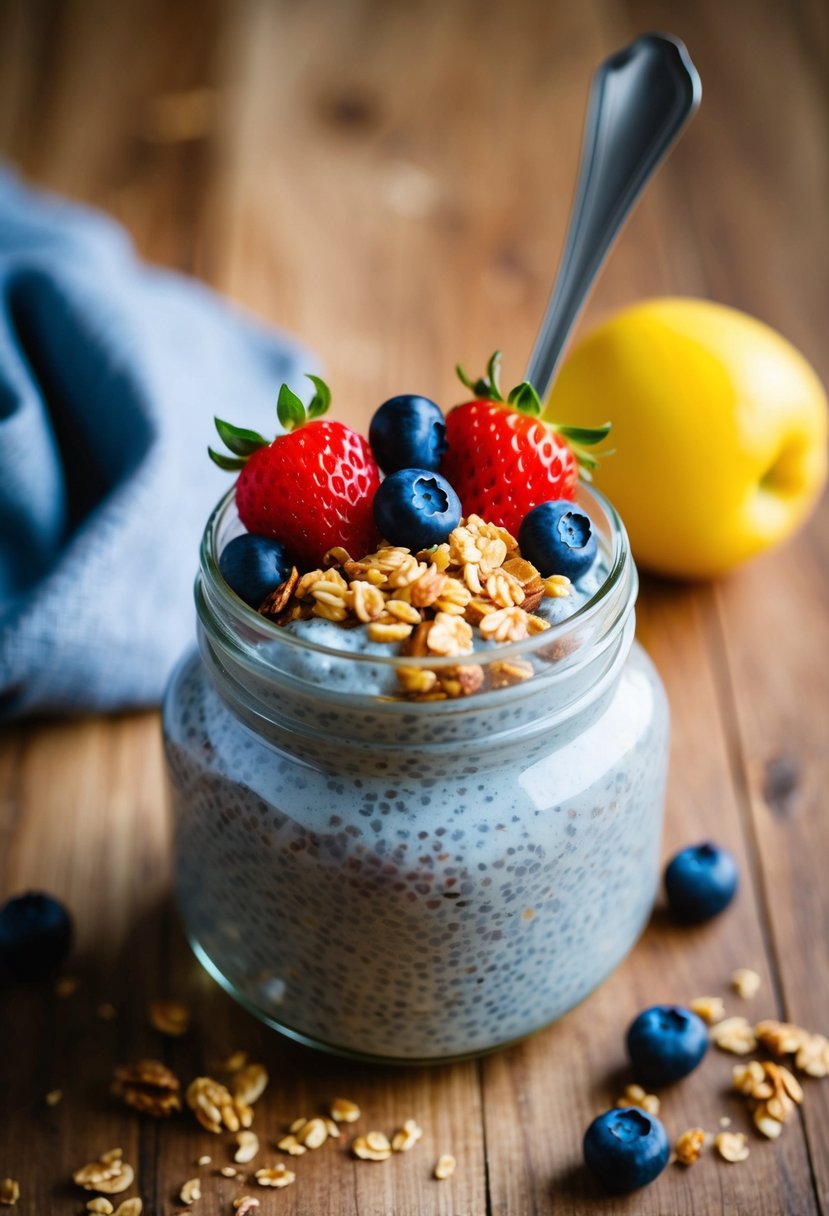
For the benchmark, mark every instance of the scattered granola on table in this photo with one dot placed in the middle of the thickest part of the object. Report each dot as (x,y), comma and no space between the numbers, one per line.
(735,1035)
(215,1108)
(710,1008)
(445,1166)
(190,1191)
(109,1174)
(746,983)
(276,1176)
(374,1146)
(732,1146)
(635,1095)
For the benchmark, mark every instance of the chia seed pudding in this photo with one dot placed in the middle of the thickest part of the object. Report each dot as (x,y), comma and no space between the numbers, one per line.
(416,881)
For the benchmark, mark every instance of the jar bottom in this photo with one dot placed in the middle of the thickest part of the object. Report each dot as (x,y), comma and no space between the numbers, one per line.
(349,1053)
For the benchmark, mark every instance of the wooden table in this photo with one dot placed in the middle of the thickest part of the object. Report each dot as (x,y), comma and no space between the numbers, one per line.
(391,182)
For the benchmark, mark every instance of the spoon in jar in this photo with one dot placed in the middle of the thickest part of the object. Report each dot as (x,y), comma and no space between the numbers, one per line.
(640,100)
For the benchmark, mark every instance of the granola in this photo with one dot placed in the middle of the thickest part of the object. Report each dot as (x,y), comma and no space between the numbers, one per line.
(445,1166)
(745,982)
(710,1008)
(735,1035)
(635,1095)
(429,603)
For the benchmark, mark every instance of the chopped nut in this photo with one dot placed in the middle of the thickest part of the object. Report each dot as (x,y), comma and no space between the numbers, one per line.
(169,1017)
(445,1166)
(745,982)
(813,1055)
(191,1191)
(298,1124)
(9,1192)
(735,1035)
(277,1175)
(235,1062)
(504,590)
(100,1206)
(290,1144)
(372,1147)
(503,674)
(109,1174)
(391,631)
(276,601)
(313,1134)
(67,985)
(333,1129)
(416,679)
(453,598)
(245,1204)
(205,1159)
(765,1124)
(780,1038)
(53,1097)
(407,1137)
(148,1086)
(228,1171)
(248,1143)
(505,625)
(450,635)
(710,1008)
(732,1146)
(557,586)
(130,1207)
(751,1079)
(689,1146)
(249,1084)
(461,681)
(214,1108)
(344,1111)
(635,1095)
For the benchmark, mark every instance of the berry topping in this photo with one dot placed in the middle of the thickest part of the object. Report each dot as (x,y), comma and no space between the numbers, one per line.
(626,1149)
(35,936)
(700,882)
(503,460)
(665,1043)
(408,432)
(416,508)
(558,538)
(253,565)
(311,489)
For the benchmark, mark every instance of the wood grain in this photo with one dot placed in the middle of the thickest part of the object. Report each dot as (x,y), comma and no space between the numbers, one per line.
(392,182)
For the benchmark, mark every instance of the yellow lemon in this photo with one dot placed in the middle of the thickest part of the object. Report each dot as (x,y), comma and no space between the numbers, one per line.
(719,431)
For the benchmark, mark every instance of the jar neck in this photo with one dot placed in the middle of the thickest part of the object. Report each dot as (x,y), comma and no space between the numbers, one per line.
(294,693)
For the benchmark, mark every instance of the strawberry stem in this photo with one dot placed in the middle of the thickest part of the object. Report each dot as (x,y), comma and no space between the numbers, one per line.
(291,413)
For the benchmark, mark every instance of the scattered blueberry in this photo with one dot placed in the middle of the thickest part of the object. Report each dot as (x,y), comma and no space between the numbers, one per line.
(558,538)
(35,936)
(626,1148)
(666,1042)
(253,565)
(416,508)
(700,882)
(408,432)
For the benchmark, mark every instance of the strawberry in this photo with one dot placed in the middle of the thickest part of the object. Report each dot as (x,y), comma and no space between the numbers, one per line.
(504,461)
(311,488)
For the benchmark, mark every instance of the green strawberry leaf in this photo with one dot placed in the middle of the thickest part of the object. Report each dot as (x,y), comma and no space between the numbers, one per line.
(321,399)
(240,441)
(231,464)
(486,386)
(289,409)
(588,436)
(526,399)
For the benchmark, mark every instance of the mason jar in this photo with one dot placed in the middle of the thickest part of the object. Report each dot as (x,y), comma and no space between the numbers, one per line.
(415,881)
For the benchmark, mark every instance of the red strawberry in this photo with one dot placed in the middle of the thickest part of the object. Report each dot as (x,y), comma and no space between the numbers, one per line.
(311,488)
(504,461)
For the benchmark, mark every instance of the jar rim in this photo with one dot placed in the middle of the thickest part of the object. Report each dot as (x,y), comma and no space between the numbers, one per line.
(245,629)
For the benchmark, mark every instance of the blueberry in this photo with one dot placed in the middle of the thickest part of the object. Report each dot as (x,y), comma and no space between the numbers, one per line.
(666,1042)
(626,1148)
(700,882)
(35,936)
(558,538)
(416,508)
(253,565)
(408,432)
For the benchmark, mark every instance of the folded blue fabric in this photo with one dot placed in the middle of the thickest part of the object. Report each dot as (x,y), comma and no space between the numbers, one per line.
(110,374)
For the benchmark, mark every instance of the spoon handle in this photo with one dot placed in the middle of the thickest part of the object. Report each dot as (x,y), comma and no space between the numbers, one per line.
(640,100)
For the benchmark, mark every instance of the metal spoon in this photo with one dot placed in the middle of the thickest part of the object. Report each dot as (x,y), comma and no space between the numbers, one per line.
(640,100)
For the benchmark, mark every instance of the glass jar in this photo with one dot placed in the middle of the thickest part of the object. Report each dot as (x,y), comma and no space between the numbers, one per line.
(420,881)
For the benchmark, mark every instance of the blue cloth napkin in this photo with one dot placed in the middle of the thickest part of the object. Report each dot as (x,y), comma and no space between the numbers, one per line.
(110,374)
